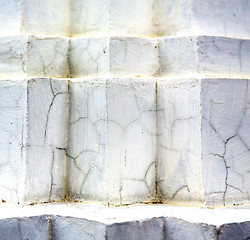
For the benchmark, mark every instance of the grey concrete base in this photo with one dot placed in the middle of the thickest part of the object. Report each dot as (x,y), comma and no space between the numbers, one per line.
(65,221)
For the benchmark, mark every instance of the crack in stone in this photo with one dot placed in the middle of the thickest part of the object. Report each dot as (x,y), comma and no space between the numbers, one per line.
(51,174)
(49,110)
(178,190)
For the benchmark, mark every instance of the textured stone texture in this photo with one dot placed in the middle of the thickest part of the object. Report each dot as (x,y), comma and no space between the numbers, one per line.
(65,228)
(171,56)
(203,146)
(148,18)
(112,17)
(177,229)
(113,57)
(198,17)
(152,229)
(111,145)
(33,228)
(33,130)
(204,56)
(34,16)
(156,221)
(37,56)
(235,231)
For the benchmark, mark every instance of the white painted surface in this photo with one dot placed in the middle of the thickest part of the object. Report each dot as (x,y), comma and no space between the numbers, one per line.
(113,57)
(33,130)
(203,148)
(36,56)
(111,143)
(34,17)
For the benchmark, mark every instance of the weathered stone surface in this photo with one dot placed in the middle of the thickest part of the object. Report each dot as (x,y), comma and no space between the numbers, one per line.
(152,229)
(234,231)
(178,140)
(46,139)
(177,229)
(35,228)
(12,121)
(204,56)
(36,56)
(111,145)
(148,18)
(113,57)
(111,17)
(141,221)
(33,134)
(65,228)
(198,17)
(34,16)
(203,147)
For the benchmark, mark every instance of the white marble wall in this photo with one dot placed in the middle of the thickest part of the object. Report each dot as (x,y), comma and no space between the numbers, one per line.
(37,56)
(178,140)
(33,130)
(225,122)
(111,17)
(123,57)
(147,18)
(203,142)
(12,129)
(111,145)
(204,56)
(190,57)
(113,57)
(47,113)
(139,111)
(34,16)
(198,17)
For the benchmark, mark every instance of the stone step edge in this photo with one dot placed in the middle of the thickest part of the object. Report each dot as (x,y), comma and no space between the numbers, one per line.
(60,223)
(102,36)
(136,212)
(136,79)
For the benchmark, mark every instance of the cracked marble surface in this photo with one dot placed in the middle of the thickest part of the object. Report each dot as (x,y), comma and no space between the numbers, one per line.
(196,56)
(178,135)
(28,55)
(12,129)
(113,57)
(204,56)
(33,130)
(46,141)
(225,123)
(203,142)
(111,132)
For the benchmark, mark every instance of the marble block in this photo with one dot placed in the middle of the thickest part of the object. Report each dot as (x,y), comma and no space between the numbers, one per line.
(204,56)
(150,229)
(203,141)
(199,17)
(34,16)
(25,228)
(35,228)
(35,56)
(111,17)
(32,145)
(113,57)
(111,143)
(65,228)
(234,231)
